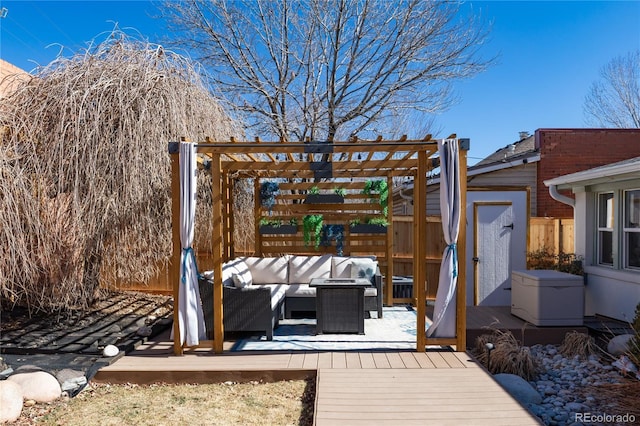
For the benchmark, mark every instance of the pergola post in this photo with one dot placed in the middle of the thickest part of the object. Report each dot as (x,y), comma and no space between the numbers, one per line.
(216,238)
(174,263)
(419,252)
(461,295)
(388,290)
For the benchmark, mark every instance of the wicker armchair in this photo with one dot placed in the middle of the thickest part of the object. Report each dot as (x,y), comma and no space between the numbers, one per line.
(244,309)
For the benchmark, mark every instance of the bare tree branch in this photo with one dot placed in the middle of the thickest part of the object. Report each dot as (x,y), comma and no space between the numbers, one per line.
(327,69)
(614,100)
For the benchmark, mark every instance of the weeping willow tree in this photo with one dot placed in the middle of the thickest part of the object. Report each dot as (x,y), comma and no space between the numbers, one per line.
(84,169)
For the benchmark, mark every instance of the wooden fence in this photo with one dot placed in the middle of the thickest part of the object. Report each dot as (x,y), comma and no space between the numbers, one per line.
(552,235)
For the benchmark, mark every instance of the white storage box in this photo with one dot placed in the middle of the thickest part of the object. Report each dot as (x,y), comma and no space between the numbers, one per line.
(546,297)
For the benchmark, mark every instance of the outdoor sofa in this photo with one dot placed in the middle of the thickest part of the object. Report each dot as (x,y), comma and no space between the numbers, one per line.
(259,291)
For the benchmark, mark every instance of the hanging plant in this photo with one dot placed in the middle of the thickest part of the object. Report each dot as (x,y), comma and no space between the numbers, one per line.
(268,192)
(378,186)
(312,223)
(333,233)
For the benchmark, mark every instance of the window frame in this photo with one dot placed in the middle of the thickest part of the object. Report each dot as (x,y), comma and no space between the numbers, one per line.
(620,232)
(605,229)
(628,230)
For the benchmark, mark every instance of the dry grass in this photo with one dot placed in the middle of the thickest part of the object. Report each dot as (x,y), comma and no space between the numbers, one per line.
(508,356)
(279,403)
(84,169)
(578,344)
(619,398)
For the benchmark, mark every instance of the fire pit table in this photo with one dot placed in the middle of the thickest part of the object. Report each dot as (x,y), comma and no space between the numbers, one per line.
(340,304)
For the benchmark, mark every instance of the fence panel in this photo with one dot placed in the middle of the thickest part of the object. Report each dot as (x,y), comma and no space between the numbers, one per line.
(551,234)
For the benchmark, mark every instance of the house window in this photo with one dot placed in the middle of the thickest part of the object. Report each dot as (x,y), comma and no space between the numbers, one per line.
(631,230)
(605,228)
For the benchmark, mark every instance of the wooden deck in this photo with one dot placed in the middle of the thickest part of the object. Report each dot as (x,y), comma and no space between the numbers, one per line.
(450,396)
(480,319)
(371,387)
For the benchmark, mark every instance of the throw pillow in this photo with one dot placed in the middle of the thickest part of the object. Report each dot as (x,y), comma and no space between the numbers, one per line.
(363,268)
(241,280)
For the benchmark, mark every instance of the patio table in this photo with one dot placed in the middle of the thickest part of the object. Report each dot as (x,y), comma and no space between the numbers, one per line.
(340,304)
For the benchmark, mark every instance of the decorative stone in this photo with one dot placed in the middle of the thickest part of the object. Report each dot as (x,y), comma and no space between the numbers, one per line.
(71,380)
(619,345)
(110,350)
(10,401)
(144,331)
(39,386)
(519,388)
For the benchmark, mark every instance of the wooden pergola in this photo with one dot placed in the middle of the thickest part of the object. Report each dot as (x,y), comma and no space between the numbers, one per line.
(301,164)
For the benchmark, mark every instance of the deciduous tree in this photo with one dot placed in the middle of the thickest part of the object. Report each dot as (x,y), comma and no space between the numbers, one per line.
(614,99)
(323,69)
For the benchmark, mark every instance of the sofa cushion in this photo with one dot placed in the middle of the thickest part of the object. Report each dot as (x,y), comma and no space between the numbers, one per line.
(240,273)
(300,290)
(268,270)
(341,265)
(363,268)
(228,270)
(303,268)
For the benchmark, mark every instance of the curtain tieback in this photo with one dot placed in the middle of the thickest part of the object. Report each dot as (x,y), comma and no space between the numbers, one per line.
(454,248)
(186,253)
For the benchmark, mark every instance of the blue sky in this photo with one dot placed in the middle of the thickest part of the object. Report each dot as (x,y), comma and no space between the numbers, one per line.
(549,53)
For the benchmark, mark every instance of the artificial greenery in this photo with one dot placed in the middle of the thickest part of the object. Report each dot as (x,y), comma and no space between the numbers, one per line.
(378,186)
(382,221)
(340,191)
(268,192)
(266,221)
(312,223)
(333,233)
(314,190)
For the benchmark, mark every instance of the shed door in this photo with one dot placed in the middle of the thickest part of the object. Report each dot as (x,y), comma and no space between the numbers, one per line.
(492,253)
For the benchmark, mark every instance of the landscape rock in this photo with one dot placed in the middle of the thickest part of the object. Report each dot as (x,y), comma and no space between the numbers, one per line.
(619,344)
(39,386)
(519,388)
(110,350)
(6,373)
(28,368)
(145,331)
(11,400)
(71,380)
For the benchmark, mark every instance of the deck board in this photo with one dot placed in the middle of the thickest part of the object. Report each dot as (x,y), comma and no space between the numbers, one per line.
(446,396)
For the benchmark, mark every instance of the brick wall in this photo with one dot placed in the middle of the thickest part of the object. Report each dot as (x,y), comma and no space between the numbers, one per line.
(564,151)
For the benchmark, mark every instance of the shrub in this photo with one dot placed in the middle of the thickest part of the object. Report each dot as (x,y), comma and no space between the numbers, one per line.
(86,185)
(544,258)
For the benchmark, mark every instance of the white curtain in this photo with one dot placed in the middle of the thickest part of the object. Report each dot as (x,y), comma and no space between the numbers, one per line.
(444,315)
(190,316)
